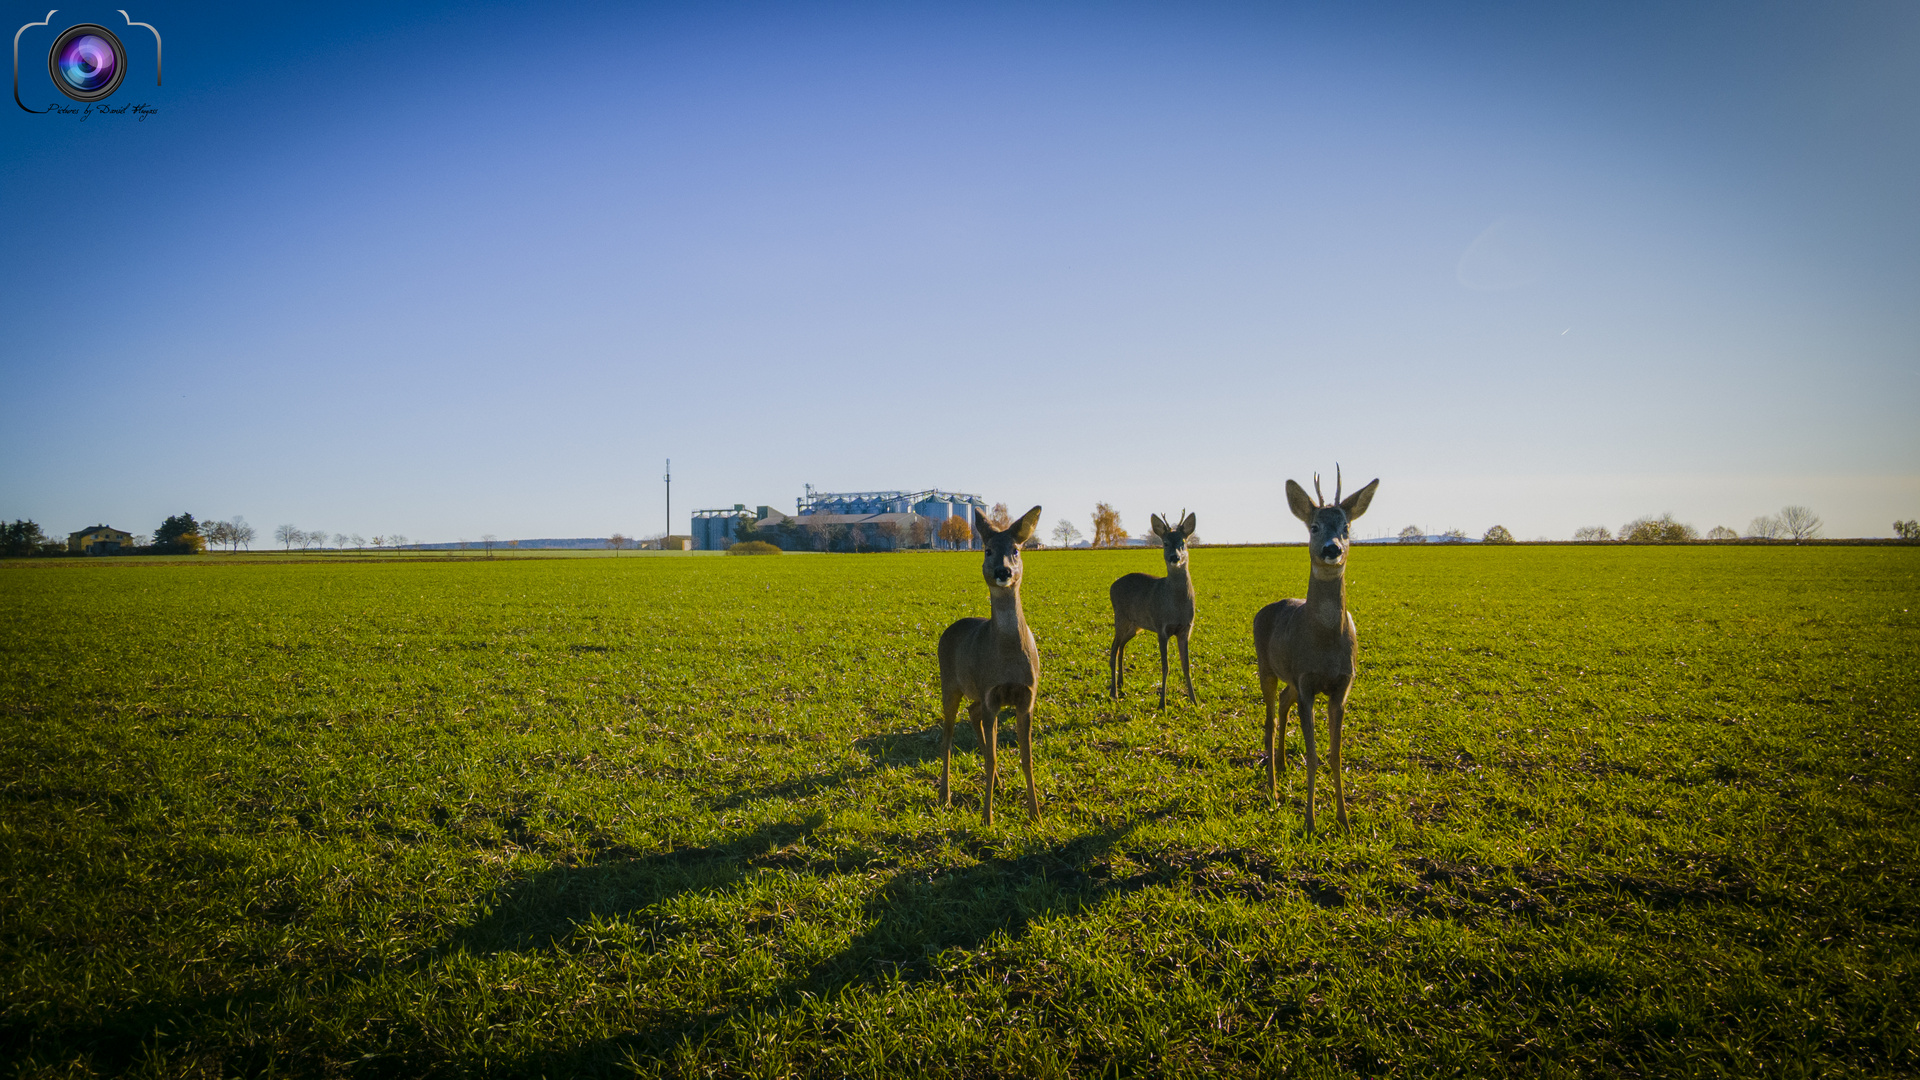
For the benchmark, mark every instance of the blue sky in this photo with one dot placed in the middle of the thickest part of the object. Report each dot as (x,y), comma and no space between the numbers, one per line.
(449,272)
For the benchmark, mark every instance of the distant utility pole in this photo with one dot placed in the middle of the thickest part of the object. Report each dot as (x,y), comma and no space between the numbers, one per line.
(669,535)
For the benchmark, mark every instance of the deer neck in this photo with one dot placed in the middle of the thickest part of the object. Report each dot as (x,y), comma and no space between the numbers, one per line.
(1327,599)
(1006,618)
(1178,583)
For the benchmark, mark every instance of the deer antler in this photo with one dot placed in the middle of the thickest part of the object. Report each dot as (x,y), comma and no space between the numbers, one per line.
(1336,483)
(1319,499)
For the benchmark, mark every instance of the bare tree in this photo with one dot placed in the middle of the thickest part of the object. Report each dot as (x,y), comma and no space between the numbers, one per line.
(217,533)
(487,541)
(1721,532)
(1413,534)
(956,531)
(1591,533)
(1453,536)
(920,531)
(893,533)
(1799,522)
(1765,527)
(243,533)
(359,542)
(379,542)
(819,531)
(616,542)
(1107,531)
(1907,530)
(1497,535)
(397,540)
(1065,534)
(999,517)
(285,535)
(341,540)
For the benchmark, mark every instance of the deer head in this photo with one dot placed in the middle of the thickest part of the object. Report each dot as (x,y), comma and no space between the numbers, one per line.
(1173,541)
(1327,523)
(1002,565)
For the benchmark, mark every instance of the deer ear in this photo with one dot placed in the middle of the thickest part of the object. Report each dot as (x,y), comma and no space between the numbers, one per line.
(1187,526)
(1022,530)
(1159,527)
(981,525)
(1357,503)
(1298,502)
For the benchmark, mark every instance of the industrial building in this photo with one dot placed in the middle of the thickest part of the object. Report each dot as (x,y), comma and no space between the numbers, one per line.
(868,519)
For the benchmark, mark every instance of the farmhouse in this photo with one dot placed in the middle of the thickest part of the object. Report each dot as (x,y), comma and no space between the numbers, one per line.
(859,519)
(99,540)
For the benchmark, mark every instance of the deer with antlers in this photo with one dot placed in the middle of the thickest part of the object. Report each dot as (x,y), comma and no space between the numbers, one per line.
(992,662)
(1311,645)
(1163,605)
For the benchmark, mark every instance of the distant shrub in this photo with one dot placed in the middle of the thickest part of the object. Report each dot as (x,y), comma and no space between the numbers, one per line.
(1907,530)
(1721,532)
(1413,534)
(1657,530)
(1453,536)
(754,547)
(1592,532)
(1497,535)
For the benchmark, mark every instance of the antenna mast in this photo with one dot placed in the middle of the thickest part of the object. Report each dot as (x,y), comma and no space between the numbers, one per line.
(669,534)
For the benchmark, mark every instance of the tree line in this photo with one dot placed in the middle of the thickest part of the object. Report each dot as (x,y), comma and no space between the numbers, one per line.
(183,534)
(1791,523)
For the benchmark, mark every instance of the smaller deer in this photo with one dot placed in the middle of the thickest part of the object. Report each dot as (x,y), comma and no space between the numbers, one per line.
(1163,605)
(992,662)
(1311,645)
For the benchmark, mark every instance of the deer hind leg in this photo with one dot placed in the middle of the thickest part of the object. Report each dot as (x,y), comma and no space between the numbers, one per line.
(1269,687)
(990,741)
(1025,720)
(1163,669)
(1186,668)
(1336,714)
(1117,660)
(949,704)
(1313,753)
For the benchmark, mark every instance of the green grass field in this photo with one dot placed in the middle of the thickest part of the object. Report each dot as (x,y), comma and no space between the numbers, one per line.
(1617,811)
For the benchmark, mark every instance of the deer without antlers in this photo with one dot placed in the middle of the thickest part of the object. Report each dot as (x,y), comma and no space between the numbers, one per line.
(1163,605)
(1311,644)
(992,662)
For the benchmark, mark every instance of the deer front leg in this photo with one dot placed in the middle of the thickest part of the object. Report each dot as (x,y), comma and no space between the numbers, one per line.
(1163,669)
(990,739)
(1025,719)
(1313,754)
(949,704)
(1336,713)
(1186,668)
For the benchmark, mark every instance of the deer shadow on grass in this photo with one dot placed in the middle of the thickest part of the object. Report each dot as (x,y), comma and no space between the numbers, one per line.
(885,751)
(542,911)
(914,919)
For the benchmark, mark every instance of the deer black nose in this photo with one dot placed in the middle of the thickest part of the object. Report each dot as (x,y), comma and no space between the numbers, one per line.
(1330,552)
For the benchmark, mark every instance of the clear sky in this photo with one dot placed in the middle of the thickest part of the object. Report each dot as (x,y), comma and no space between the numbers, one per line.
(453,271)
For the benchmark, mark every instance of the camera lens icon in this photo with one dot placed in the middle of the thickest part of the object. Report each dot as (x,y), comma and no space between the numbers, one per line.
(87,62)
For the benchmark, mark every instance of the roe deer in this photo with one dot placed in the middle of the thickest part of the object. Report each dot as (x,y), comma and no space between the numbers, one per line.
(1311,644)
(992,662)
(1163,605)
